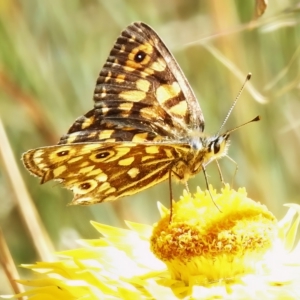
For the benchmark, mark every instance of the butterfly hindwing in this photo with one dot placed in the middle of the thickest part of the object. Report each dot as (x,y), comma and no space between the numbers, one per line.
(98,172)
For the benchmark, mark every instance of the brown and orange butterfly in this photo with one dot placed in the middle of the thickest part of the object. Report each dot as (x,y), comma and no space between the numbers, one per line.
(146,126)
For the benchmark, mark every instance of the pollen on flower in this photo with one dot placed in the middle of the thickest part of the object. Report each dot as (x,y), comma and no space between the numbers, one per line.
(211,244)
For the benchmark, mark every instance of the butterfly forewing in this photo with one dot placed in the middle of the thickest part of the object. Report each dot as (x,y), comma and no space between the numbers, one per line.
(140,89)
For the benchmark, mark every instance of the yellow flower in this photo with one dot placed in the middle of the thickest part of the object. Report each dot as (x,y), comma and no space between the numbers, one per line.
(204,243)
(235,251)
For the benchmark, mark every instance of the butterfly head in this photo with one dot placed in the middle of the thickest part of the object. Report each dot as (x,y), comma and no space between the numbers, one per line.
(208,148)
(216,147)
(211,147)
(203,150)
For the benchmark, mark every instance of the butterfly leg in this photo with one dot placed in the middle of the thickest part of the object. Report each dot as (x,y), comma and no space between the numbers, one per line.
(171,195)
(220,172)
(236,169)
(171,191)
(180,178)
(187,187)
(207,187)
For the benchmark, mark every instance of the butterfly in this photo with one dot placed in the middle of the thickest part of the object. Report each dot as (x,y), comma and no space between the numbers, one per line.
(146,127)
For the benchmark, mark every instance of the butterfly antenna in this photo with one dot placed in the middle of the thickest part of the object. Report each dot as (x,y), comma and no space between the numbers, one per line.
(235,101)
(257,118)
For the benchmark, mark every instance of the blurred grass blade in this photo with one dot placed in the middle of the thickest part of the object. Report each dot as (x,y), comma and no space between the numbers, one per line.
(24,203)
(9,267)
(283,73)
(240,75)
(35,112)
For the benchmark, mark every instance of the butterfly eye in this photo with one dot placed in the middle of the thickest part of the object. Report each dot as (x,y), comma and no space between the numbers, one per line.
(140,56)
(216,148)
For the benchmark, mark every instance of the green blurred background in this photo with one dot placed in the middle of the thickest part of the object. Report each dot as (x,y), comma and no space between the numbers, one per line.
(51,53)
